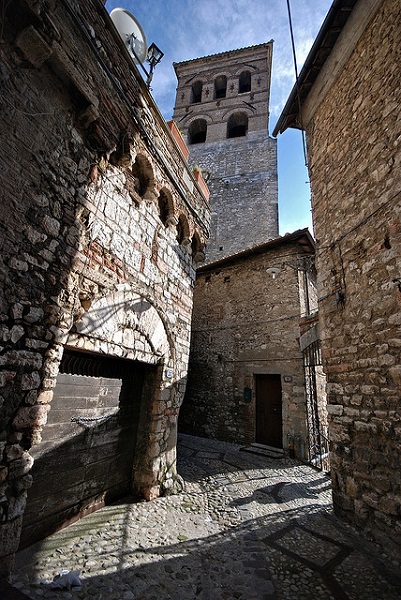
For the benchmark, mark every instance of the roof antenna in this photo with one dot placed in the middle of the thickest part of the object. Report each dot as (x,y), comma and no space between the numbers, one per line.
(134,40)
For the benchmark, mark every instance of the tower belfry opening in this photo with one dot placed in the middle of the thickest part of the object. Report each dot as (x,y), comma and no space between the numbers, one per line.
(222,105)
(197,131)
(244,82)
(220,86)
(196,92)
(237,125)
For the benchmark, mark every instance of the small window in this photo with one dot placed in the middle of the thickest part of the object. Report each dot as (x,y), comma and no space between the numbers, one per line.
(237,125)
(220,86)
(197,131)
(244,82)
(196,95)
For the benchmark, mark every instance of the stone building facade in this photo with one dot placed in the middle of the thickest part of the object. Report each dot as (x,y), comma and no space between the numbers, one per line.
(222,110)
(246,376)
(102,222)
(351,97)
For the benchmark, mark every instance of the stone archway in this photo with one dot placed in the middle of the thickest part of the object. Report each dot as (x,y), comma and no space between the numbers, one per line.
(107,434)
(124,324)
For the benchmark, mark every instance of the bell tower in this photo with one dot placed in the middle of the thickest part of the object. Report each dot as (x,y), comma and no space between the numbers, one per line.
(222,110)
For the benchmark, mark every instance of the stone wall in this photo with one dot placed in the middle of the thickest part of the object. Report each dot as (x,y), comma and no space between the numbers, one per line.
(243,192)
(241,172)
(101,223)
(246,324)
(354,152)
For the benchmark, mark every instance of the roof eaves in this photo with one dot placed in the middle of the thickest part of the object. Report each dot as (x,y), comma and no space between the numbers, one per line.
(261,249)
(326,38)
(220,54)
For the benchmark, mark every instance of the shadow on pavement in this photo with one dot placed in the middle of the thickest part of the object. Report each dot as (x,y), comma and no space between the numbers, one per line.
(240,531)
(263,558)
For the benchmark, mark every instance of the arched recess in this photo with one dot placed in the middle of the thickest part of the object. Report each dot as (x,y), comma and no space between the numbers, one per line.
(244,82)
(198,254)
(122,155)
(220,86)
(196,91)
(237,125)
(143,176)
(166,207)
(102,413)
(183,232)
(197,131)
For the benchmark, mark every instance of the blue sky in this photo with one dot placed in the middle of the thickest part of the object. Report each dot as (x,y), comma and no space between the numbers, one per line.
(186,29)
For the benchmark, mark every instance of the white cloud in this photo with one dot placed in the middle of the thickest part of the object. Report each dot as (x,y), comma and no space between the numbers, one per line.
(187,29)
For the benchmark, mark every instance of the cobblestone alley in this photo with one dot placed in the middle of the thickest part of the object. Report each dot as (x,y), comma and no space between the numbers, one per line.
(247,527)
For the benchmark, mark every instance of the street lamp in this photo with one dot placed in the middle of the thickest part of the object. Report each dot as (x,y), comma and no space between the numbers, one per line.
(303,264)
(153,57)
(299,263)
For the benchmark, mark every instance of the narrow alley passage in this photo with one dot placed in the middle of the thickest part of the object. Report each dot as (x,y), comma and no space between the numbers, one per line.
(247,527)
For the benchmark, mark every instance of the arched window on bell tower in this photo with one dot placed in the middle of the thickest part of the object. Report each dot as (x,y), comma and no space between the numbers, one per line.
(235,133)
(244,83)
(197,131)
(220,86)
(237,125)
(196,95)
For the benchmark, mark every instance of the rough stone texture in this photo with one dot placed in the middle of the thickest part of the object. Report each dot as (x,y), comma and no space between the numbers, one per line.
(101,221)
(354,151)
(247,324)
(245,527)
(241,172)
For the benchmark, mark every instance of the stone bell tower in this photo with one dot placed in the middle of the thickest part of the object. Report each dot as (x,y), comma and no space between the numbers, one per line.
(222,109)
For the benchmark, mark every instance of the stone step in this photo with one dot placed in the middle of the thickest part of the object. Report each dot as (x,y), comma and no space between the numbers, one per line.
(263,450)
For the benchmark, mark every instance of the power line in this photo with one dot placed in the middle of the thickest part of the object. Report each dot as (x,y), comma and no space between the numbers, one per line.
(296,82)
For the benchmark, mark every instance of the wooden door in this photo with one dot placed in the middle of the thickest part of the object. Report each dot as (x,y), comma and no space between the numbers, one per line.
(269,419)
(86,454)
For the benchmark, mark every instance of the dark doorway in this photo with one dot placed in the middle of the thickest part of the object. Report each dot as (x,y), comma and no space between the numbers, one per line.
(86,455)
(269,420)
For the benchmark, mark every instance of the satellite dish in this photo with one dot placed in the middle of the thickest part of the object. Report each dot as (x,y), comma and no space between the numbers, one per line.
(131,33)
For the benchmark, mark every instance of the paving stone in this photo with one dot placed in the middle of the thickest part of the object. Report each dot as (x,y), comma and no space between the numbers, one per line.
(288,547)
